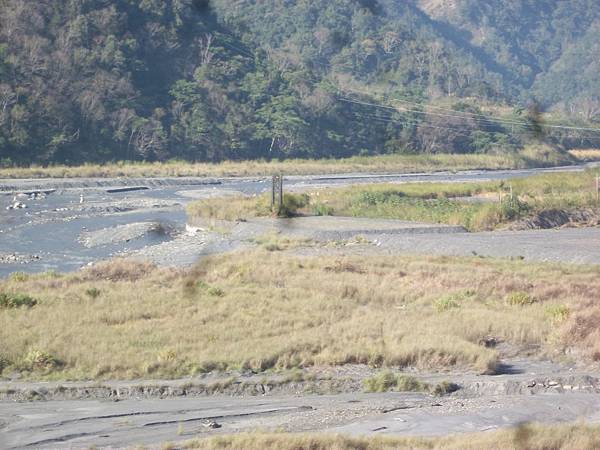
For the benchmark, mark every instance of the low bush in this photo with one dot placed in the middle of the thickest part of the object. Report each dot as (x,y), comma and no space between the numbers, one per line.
(321,209)
(8,300)
(292,203)
(406,383)
(511,208)
(382,382)
(39,360)
(93,292)
(387,381)
(215,291)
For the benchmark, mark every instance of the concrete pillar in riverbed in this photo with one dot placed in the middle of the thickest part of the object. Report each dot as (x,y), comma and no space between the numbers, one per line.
(277,194)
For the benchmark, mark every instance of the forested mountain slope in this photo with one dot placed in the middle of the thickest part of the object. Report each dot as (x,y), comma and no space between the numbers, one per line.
(97,80)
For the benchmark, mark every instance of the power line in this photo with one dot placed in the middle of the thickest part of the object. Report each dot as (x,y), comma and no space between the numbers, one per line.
(484,117)
(489,120)
(393,108)
(420,124)
(455,129)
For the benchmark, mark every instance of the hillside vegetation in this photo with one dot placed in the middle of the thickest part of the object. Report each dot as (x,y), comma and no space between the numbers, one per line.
(199,80)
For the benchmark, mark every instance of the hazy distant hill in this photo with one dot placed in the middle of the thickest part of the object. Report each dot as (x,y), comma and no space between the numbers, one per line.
(91,80)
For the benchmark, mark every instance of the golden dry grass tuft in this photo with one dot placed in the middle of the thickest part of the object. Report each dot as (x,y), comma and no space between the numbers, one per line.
(381,163)
(589,154)
(261,309)
(525,437)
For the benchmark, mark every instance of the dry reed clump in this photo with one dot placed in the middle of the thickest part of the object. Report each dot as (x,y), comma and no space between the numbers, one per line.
(260,310)
(524,437)
(119,269)
(380,163)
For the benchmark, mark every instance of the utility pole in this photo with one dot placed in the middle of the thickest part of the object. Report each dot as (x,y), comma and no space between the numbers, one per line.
(277,194)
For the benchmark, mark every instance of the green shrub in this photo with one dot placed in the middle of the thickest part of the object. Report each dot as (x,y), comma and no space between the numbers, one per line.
(215,291)
(382,382)
(200,284)
(292,203)
(511,208)
(387,381)
(321,209)
(16,301)
(519,299)
(40,360)
(406,383)
(93,292)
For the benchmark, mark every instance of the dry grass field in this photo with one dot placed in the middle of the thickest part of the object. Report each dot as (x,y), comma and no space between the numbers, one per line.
(381,163)
(590,154)
(264,310)
(527,437)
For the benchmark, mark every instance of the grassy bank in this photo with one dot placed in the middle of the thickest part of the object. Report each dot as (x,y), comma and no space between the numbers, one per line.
(476,206)
(383,163)
(129,320)
(526,437)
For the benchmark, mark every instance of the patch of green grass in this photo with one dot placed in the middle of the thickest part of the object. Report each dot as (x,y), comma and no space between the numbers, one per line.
(214,291)
(19,276)
(321,209)
(444,203)
(519,299)
(446,303)
(453,301)
(558,313)
(422,202)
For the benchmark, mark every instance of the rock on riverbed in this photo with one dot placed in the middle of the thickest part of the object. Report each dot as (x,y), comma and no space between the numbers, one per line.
(17,258)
